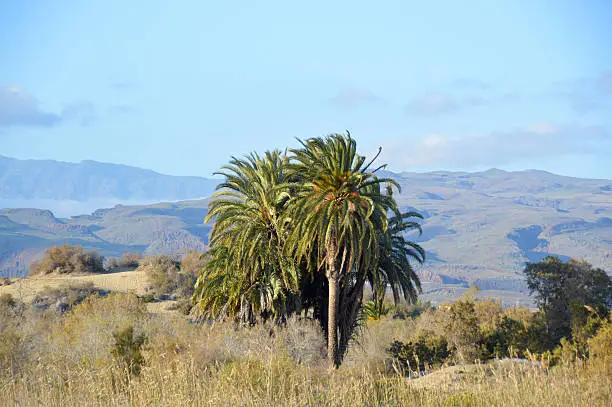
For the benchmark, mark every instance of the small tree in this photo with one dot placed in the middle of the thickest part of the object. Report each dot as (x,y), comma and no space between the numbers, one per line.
(562,290)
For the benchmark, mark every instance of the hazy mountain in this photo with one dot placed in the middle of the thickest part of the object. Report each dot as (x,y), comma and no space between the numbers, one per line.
(479,227)
(73,188)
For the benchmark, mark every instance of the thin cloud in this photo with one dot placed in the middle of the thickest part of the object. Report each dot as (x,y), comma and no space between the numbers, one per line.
(19,108)
(82,111)
(436,104)
(604,82)
(352,97)
(586,95)
(500,148)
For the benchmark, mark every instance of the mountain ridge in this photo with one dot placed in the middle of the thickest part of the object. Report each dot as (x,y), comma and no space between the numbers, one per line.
(478,228)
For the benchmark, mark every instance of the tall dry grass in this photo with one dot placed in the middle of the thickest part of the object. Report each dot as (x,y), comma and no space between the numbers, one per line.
(66,360)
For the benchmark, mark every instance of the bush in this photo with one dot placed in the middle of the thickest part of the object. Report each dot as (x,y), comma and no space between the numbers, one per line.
(112,263)
(63,299)
(183,306)
(422,352)
(148,298)
(130,260)
(166,278)
(68,259)
(193,263)
(461,328)
(373,311)
(86,332)
(161,272)
(127,350)
(600,345)
(12,341)
(7,300)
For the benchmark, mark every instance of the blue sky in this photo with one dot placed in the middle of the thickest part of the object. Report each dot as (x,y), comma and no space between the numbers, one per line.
(180,86)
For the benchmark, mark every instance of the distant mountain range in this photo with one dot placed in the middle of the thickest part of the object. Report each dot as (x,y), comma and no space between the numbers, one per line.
(479,227)
(71,188)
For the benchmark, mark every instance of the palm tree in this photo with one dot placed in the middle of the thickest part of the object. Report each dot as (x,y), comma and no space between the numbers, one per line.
(394,265)
(249,273)
(337,213)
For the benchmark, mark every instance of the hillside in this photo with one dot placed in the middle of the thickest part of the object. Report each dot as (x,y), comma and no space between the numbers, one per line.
(70,188)
(479,227)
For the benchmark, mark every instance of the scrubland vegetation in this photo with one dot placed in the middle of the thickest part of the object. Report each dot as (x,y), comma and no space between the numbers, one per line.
(290,307)
(109,350)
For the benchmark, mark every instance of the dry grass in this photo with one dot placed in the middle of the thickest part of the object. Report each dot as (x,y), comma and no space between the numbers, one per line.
(251,381)
(66,360)
(25,289)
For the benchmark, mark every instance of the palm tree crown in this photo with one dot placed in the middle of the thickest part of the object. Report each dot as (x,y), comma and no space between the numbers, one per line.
(248,235)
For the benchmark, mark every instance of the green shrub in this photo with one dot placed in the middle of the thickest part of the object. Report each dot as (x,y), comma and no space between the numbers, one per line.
(372,311)
(166,278)
(422,352)
(7,300)
(161,272)
(461,328)
(148,298)
(512,338)
(127,350)
(600,345)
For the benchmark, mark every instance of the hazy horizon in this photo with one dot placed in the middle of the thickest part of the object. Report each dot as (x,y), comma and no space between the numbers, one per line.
(439,85)
(393,170)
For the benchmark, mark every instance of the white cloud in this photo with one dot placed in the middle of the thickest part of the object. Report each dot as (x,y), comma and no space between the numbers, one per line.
(497,148)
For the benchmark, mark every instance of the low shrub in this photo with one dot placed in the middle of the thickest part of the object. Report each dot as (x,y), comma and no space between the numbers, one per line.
(63,299)
(66,259)
(111,263)
(7,300)
(193,263)
(127,350)
(373,311)
(600,345)
(420,353)
(130,260)
(184,306)
(166,278)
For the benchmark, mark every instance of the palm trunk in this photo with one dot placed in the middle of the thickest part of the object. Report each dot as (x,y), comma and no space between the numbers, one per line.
(332,322)
(396,295)
(332,305)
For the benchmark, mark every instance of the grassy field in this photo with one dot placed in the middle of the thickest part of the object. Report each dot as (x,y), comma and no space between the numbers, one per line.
(51,359)
(122,281)
(130,281)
